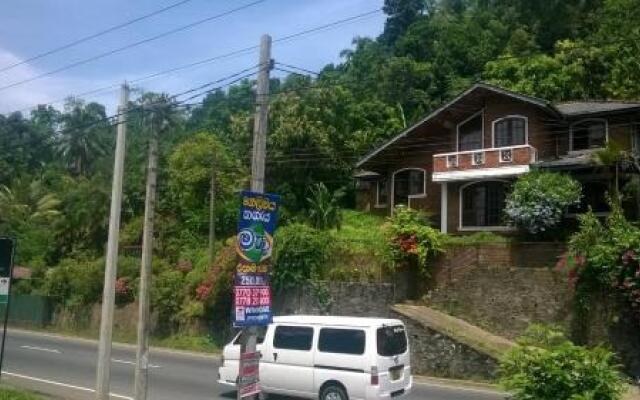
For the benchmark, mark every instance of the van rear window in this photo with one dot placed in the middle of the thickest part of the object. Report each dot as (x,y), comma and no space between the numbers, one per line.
(344,341)
(392,340)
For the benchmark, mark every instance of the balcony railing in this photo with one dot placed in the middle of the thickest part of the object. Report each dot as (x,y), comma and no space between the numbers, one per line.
(485,158)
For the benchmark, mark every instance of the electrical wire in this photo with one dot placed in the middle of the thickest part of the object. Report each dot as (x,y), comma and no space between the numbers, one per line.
(94,35)
(234,53)
(131,45)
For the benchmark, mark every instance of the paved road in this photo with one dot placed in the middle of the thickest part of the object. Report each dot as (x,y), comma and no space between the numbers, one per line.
(66,367)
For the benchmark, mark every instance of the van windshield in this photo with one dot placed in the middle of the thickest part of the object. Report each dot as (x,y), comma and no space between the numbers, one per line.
(392,340)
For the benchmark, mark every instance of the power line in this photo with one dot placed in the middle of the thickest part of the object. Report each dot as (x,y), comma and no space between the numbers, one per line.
(131,45)
(230,54)
(95,35)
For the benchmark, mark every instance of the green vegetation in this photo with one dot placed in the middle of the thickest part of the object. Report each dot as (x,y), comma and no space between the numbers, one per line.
(604,258)
(411,239)
(15,394)
(546,366)
(539,200)
(55,165)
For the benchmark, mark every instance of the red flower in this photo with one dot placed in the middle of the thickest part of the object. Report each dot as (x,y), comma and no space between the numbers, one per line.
(628,256)
(122,287)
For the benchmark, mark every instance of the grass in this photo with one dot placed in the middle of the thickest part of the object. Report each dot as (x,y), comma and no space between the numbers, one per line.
(188,342)
(476,238)
(358,248)
(363,231)
(15,394)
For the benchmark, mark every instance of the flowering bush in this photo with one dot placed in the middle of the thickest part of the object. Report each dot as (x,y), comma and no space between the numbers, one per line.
(539,199)
(410,237)
(606,256)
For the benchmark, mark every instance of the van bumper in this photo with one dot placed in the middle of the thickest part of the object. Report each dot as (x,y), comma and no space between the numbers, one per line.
(374,392)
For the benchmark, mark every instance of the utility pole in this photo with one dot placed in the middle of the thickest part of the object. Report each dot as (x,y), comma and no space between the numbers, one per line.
(249,342)
(262,117)
(103,373)
(142,351)
(212,211)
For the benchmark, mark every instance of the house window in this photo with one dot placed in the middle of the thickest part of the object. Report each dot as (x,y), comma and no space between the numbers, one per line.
(382,193)
(588,134)
(594,197)
(482,204)
(510,131)
(407,184)
(470,133)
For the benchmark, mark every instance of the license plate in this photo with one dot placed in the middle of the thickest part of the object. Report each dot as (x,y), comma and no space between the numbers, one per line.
(395,373)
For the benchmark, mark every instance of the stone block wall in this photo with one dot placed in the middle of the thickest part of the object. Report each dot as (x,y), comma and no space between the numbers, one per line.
(337,298)
(435,354)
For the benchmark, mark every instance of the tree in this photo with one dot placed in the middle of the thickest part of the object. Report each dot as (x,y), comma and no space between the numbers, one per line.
(402,13)
(83,135)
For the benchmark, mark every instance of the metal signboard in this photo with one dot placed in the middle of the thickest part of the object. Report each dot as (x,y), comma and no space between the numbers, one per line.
(254,244)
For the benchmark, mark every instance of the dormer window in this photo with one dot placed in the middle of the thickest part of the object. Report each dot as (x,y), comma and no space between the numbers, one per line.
(510,131)
(470,133)
(588,134)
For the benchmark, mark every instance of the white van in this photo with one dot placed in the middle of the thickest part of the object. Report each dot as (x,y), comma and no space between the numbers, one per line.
(330,358)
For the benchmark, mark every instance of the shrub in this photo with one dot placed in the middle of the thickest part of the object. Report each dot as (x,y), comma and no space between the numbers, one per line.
(300,252)
(539,199)
(324,207)
(167,296)
(546,366)
(410,237)
(605,257)
(75,283)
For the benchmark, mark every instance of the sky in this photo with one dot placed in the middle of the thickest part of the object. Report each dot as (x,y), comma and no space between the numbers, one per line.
(31,27)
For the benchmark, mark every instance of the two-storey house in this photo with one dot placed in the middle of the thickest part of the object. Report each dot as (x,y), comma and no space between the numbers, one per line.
(459,162)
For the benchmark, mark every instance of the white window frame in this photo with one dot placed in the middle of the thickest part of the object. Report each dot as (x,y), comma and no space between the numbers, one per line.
(378,204)
(411,196)
(473,157)
(606,132)
(481,112)
(526,130)
(462,228)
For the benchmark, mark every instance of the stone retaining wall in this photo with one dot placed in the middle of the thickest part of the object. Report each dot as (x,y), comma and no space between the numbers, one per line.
(435,354)
(337,298)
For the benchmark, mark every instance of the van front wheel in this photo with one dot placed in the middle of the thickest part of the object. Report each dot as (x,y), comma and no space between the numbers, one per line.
(333,392)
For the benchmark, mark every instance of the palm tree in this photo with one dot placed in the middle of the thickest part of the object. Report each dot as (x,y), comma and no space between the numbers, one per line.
(27,203)
(82,137)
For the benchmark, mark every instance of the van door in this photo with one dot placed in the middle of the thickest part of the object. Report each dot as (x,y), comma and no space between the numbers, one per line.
(393,359)
(342,356)
(287,362)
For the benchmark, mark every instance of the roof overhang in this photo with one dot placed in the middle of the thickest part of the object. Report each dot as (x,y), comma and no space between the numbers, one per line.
(478,86)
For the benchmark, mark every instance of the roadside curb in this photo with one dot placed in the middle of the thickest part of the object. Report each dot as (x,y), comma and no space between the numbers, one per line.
(127,346)
(459,384)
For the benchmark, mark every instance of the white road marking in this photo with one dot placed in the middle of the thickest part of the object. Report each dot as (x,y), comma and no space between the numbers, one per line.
(132,363)
(41,349)
(460,388)
(48,382)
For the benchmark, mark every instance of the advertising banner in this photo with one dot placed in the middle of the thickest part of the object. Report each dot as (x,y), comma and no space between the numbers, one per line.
(249,379)
(254,244)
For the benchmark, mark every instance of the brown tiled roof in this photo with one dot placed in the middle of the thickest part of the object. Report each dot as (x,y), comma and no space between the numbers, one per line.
(593,107)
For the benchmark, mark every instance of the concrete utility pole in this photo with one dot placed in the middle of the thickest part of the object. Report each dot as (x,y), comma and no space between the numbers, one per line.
(212,211)
(250,335)
(103,373)
(142,351)
(262,117)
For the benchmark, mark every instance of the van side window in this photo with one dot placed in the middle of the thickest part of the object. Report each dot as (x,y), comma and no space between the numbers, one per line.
(344,341)
(262,330)
(293,337)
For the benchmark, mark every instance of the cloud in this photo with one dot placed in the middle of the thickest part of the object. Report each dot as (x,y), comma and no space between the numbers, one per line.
(41,91)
